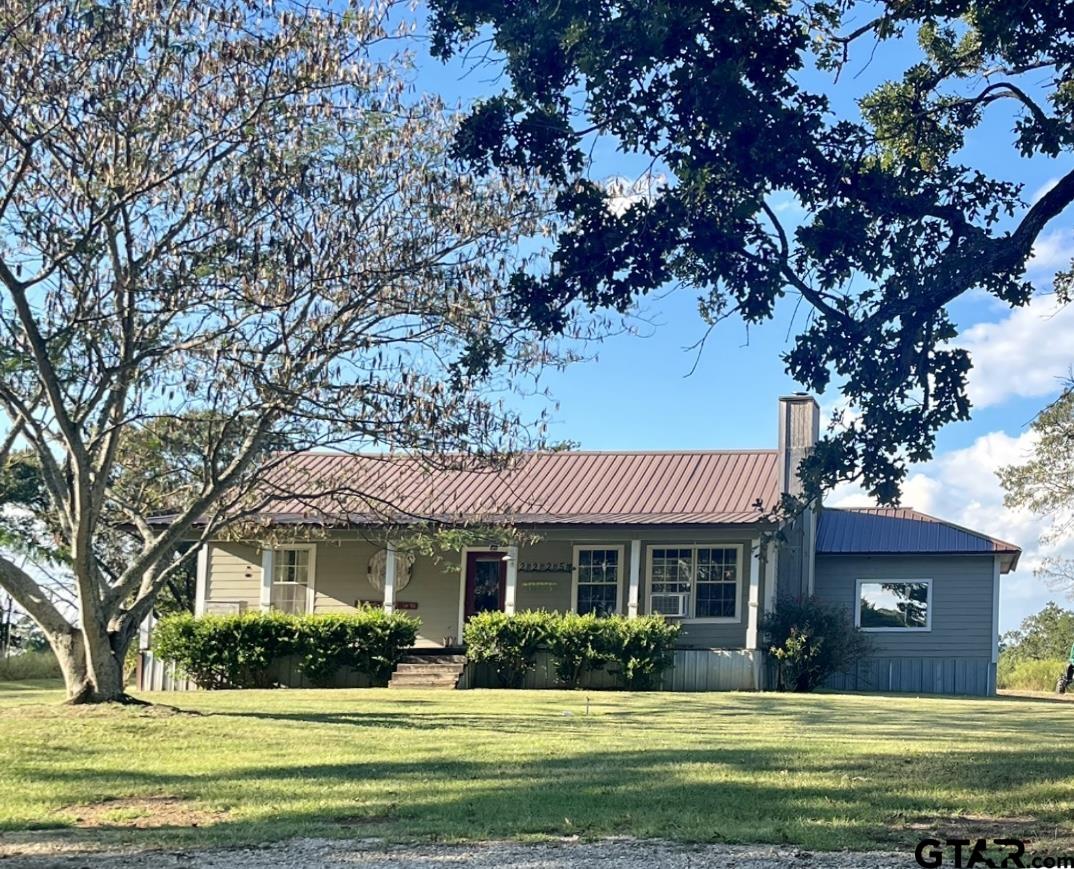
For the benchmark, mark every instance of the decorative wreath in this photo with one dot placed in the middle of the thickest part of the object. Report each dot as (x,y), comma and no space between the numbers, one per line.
(404,566)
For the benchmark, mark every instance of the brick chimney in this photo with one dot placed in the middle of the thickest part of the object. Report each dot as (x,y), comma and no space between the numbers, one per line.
(799,431)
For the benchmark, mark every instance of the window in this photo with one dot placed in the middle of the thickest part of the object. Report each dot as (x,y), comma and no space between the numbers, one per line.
(894,606)
(717,583)
(699,582)
(669,581)
(291,574)
(598,578)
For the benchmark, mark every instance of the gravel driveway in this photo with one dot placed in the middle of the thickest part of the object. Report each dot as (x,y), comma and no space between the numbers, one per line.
(316,853)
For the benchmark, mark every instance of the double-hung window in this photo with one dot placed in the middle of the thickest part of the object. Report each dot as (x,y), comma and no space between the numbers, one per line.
(598,574)
(292,579)
(702,582)
(716,578)
(670,573)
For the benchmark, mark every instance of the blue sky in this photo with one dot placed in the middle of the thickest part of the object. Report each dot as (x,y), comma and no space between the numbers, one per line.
(638,393)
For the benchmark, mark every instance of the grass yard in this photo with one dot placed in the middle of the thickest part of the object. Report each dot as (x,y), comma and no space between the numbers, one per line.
(823,772)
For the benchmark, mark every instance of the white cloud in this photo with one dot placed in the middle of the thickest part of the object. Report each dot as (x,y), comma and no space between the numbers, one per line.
(625,192)
(961,486)
(1052,251)
(1038,194)
(1027,354)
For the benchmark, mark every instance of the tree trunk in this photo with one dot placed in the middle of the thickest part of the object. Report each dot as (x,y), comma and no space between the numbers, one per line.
(90,680)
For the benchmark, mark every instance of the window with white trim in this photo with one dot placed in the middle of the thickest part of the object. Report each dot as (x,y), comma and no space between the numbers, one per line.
(290,580)
(717,583)
(901,605)
(598,578)
(701,582)
(669,581)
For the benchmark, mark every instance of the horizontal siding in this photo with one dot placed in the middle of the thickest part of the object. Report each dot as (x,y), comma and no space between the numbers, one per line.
(342,561)
(961,600)
(234,574)
(717,635)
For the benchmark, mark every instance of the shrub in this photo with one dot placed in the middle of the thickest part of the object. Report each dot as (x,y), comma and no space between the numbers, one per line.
(30,665)
(643,648)
(578,644)
(1029,675)
(508,643)
(370,641)
(810,641)
(243,651)
(226,651)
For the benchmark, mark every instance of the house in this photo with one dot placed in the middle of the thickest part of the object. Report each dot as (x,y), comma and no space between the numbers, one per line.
(685,534)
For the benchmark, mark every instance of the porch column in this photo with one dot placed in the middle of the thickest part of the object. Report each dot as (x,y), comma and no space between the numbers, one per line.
(201,585)
(389,579)
(770,579)
(753,613)
(635,579)
(512,580)
(266,579)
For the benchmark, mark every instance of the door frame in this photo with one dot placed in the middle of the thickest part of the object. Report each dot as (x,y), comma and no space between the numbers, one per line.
(464,557)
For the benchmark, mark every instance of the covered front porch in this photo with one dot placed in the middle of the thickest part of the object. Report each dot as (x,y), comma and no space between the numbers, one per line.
(717,582)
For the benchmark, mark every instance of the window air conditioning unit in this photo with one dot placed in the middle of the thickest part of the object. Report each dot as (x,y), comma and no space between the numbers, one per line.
(673,605)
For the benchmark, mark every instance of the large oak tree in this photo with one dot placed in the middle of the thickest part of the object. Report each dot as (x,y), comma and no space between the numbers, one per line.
(736,101)
(226,226)
(1044,484)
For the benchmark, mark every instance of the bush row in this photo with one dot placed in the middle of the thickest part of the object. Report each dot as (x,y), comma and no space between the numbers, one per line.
(1029,675)
(244,651)
(636,651)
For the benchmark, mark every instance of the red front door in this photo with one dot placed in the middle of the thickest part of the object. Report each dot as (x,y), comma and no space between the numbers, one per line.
(486,582)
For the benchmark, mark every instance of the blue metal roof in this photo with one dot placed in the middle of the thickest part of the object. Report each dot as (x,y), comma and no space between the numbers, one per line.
(900,530)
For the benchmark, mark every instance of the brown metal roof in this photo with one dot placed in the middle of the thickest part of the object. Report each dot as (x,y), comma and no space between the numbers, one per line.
(569,487)
(901,530)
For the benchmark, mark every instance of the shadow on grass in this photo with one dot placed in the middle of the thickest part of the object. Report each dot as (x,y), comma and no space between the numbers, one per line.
(721,794)
(818,716)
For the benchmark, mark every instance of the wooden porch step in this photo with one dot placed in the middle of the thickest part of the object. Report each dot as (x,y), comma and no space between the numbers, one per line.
(420,671)
(433,669)
(433,658)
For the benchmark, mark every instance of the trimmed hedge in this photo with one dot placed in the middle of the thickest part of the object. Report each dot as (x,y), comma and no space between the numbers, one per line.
(578,644)
(509,643)
(370,641)
(244,651)
(636,651)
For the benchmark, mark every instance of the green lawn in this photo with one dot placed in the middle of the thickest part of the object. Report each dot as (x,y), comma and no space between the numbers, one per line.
(824,771)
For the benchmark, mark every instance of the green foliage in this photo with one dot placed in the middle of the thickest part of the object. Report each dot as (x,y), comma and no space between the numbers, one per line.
(866,206)
(509,643)
(30,665)
(643,650)
(1048,634)
(370,641)
(1026,674)
(1044,484)
(637,651)
(810,641)
(226,651)
(267,184)
(578,644)
(243,651)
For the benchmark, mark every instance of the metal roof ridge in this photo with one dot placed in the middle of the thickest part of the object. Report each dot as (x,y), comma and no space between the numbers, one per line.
(327,453)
